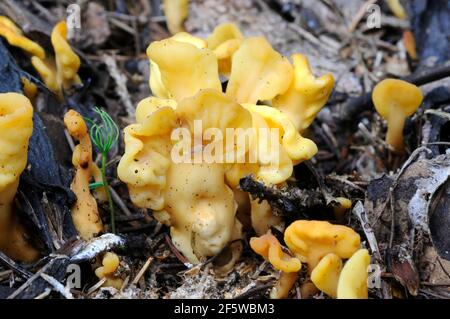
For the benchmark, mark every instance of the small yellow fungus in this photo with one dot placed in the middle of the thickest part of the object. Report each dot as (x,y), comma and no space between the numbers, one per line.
(325,275)
(16,127)
(311,240)
(342,207)
(85,215)
(62,71)
(270,249)
(353,279)
(176,12)
(395,100)
(110,264)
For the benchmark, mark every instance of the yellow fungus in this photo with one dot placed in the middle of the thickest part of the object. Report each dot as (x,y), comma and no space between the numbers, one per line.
(395,100)
(325,275)
(16,126)
(353,279)
(311,240)
(224,41)
(176,12)
(258,72)
(306,95)
(343,205)
(268,247)
(180,78)
(110,264)
(397,9)
(14,36)
(85,215)
(62,71)
(29,88)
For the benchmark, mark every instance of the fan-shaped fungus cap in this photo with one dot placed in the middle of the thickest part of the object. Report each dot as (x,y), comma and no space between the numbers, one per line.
(258,72)
(306,95)
(224,41)
(270,249)
(311,240)
(183,69)
(14,36)
(325,275)
(85,215)
(176,11)
(395,100)
(353,279)
(16,127)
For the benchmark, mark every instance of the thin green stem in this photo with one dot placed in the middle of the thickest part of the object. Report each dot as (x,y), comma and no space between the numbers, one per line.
(108,193)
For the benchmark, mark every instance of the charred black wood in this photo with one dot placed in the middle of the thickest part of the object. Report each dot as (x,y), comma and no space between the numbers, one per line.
(284,201)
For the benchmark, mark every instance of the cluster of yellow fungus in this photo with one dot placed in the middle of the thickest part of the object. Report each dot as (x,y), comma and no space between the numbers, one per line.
(85,215)
(198,199)
(110,264)
(322,246)
(16,126)
(395,100)
(58,73)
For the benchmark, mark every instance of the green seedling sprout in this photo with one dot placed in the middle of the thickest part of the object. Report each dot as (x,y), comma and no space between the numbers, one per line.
(104,135)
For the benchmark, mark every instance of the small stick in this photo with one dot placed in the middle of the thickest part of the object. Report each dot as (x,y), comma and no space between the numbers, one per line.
(142,271)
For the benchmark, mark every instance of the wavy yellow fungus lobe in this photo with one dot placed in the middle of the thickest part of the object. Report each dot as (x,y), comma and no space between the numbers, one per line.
(85,213)
(61,72)
(268,247)
(16,126)
(15,37)
(110,264)
(310,241)
(306,95)
(185,82)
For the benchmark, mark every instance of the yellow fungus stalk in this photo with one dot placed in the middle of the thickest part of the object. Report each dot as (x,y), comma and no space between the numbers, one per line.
(85,215)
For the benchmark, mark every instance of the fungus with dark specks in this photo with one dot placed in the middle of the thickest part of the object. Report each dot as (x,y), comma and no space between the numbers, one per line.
(311,240)
(85,215)
(395,100)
